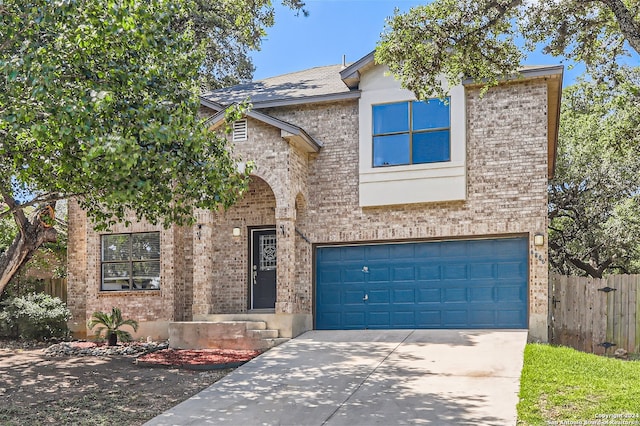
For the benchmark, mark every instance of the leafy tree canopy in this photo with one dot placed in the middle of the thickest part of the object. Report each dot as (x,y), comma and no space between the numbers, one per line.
(229,30)
(477,38)
(99,101)
(594,198)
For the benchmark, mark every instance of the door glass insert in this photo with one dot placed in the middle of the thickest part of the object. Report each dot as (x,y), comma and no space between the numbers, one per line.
(267,252)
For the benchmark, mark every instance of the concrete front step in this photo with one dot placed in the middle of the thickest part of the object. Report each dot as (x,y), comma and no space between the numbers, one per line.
(223,335)
(263,334)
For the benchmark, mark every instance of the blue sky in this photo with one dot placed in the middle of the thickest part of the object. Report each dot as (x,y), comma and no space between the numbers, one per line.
(335,28)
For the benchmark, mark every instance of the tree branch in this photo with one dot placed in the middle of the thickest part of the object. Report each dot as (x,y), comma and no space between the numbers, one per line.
(628,26)
(18,213)
(47,198)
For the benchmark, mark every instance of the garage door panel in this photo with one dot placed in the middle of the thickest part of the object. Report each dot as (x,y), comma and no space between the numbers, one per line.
(450,284)
(379,296)
(483,318)
(510,294)
(329,276)
(352,275)
(377,274)
(378,252)
(380,319)
(404,295)
(510,270)
(454,249)
(403,273)
(455,318)
(353,297)
(332,320)
(354,320)
(481,271)
(403,319)
(454,295)
(427,251)
(455,271)
(429,319)
(429,295)
(481,294)
(330,296)
(506,317)
(429,272)
(402,251)
(352,253)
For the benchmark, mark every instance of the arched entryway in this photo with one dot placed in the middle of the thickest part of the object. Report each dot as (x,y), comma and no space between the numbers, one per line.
(244,252)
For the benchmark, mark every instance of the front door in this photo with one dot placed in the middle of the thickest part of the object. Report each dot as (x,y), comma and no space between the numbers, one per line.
(262,276)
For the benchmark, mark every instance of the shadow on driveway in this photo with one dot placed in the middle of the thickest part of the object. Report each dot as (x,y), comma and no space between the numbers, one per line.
(436,377)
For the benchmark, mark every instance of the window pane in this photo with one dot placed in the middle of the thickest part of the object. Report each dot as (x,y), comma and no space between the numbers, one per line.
(390,150)
(391,118)
(146,246)
(146,275)
(431,147)
(430,114)
(115,247)
(115,276)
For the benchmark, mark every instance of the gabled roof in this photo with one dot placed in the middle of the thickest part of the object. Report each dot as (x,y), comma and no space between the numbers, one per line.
(290,132)
(339,82)
(351,74)
(312,85)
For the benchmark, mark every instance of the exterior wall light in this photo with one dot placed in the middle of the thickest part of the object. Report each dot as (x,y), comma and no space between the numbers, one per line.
(538,239)
(236,232)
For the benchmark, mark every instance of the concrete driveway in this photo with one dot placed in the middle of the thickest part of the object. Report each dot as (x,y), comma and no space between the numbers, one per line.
(437,377)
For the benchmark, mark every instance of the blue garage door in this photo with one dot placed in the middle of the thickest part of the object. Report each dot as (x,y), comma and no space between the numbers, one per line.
(445,284)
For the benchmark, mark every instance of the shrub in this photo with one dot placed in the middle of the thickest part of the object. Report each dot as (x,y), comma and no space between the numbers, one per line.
(110,324)
(35,316)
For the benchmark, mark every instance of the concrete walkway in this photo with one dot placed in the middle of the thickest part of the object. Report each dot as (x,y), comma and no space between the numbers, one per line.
(371,377)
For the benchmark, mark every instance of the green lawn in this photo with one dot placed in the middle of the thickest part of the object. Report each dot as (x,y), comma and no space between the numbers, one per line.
(559,383)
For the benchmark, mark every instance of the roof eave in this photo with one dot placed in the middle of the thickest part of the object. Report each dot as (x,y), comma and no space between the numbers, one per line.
(288,131)
(542,71)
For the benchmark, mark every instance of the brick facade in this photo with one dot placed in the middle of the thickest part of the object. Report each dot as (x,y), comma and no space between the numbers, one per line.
(313,199)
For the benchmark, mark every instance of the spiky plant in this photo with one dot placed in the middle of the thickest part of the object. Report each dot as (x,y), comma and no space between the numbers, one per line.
(111,323)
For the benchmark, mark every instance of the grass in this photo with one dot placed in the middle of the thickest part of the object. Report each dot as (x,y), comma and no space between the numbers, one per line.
(562,384)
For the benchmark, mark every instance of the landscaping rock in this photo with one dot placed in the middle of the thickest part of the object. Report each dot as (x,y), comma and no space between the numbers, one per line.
(131,349)
(621,353)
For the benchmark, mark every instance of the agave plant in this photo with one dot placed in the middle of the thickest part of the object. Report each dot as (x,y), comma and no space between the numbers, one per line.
(111,323)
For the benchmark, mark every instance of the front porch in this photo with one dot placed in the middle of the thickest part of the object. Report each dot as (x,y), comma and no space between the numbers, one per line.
(251,330)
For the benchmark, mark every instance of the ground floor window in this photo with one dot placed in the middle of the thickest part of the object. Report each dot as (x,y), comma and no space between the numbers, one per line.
(130,261)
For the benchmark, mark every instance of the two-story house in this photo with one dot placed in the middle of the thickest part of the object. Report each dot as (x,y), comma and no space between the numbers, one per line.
(367,209)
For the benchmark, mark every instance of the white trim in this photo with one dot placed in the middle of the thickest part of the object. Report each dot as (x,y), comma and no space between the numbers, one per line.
(240,130)
(415,183)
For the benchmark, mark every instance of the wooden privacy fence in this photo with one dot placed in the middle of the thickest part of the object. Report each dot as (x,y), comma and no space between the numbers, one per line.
(596,315)
(56,287)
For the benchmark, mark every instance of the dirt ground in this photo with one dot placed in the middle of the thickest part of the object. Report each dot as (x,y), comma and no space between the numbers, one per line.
(36,389)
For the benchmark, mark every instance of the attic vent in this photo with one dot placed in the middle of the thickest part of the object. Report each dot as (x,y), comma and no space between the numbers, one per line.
(240,130)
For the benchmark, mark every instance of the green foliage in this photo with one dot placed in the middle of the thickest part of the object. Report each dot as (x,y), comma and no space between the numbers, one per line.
(8,231)
(110,107)
(228,30)
(35,316)
(477,39)
(562,384)
(99,101)
(20,286)
(594,198)
(110,324)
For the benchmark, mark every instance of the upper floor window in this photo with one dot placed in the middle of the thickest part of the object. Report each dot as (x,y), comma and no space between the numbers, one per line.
(414,132)
(130,261)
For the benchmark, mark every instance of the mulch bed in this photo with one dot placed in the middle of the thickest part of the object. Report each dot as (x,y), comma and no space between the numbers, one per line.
(145,354)
(197,359)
